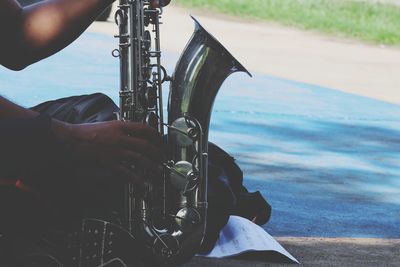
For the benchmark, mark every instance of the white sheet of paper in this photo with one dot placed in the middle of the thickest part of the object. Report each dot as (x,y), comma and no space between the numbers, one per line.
(241,235)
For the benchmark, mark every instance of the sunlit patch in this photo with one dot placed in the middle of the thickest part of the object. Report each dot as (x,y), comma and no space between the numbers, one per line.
(327,161)
(39,28)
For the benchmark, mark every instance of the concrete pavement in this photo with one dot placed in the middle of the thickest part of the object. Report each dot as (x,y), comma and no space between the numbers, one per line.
(343,252)
(304,56)
(327,161)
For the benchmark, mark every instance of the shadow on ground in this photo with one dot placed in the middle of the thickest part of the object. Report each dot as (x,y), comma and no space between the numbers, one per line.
(342,252)
(327,161)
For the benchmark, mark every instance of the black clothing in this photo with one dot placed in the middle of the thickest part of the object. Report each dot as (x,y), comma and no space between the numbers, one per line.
(25,139)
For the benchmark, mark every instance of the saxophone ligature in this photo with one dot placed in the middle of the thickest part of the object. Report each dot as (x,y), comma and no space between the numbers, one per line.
(169,217)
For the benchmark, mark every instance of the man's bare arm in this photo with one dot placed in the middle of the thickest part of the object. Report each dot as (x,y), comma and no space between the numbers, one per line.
(29,34)
(33,33)
(106,143)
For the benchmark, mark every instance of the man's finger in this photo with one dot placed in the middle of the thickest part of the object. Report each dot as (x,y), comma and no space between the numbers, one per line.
(142,146)
(137,159)
(141,163)
(142,130)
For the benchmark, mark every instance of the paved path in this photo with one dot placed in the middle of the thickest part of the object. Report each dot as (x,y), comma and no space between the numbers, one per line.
(349,66)
(327,161)
(343,252)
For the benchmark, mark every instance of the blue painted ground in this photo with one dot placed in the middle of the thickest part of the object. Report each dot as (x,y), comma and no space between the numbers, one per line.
(327,161)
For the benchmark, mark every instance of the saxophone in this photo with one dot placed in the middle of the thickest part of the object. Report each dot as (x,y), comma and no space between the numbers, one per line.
(167,218)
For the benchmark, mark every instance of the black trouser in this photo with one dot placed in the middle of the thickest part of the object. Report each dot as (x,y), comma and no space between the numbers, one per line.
(88,191)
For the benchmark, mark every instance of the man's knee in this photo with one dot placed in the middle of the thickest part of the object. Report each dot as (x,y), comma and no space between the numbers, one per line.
(80,109)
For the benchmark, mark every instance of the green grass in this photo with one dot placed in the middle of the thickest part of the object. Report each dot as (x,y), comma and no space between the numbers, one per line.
(363,20)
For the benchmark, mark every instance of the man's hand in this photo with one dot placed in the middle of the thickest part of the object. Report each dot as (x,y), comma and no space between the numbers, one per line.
(115,145)
(37,31)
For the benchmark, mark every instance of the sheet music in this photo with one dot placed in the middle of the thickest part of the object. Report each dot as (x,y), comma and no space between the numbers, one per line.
(241,235)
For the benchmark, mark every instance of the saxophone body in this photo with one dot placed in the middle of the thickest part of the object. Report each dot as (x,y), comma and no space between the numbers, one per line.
(169,216)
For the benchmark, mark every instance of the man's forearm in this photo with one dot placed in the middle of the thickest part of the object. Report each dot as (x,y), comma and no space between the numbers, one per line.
(10,110)
(42,29)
